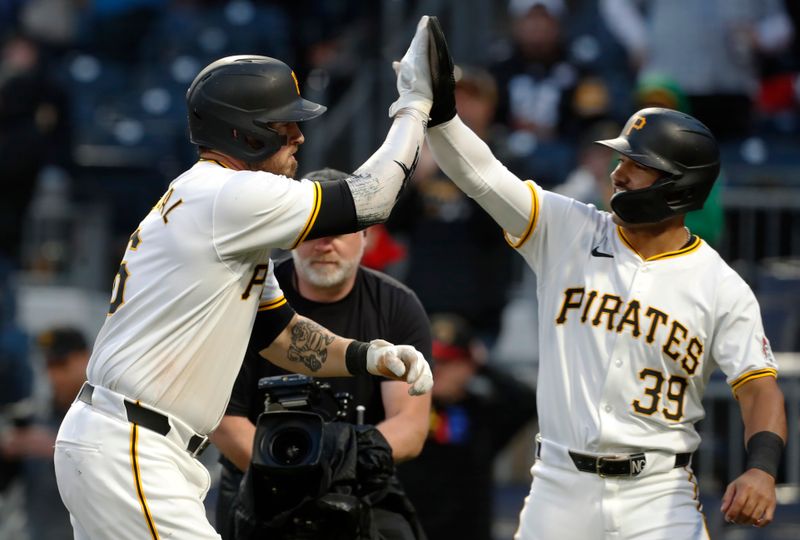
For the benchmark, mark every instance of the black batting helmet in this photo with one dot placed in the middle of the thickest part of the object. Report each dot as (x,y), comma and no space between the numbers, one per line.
(679,146)
(236,97)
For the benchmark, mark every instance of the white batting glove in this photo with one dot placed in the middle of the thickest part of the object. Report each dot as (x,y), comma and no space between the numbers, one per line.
(401,363)
(414,75)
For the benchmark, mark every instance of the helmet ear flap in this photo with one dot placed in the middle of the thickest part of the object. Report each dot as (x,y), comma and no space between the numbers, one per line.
(237,141)
(646,205)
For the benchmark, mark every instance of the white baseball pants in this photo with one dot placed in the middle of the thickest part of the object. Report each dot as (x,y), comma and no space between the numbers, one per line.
(123,481)
(659,504)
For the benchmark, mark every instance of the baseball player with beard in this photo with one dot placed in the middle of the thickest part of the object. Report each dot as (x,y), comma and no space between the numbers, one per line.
(195,279)
(325,281)
(635,314)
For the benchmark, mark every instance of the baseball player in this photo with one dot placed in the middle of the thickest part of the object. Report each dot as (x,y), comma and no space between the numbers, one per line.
(325,281)
(194,276)
(635,313)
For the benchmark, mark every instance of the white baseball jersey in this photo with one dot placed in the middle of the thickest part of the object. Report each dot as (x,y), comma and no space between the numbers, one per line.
(193,276)
(627,345)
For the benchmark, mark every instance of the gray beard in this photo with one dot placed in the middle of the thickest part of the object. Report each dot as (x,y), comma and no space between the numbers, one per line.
(326,277)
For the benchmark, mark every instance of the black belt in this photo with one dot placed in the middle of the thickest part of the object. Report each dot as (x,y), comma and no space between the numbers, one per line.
(624,465)
(150,419)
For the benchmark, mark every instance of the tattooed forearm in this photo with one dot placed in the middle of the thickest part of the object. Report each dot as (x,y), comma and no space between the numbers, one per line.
(309,344)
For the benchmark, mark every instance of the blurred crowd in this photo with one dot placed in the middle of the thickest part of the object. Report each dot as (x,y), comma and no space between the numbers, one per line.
(92,128)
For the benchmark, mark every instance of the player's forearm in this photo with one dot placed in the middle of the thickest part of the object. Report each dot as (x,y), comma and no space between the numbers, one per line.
(308,348)
(469,162)
(377,183)
(762,406)
(234,439)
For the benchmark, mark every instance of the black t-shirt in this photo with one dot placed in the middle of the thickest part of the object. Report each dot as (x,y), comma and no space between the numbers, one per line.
(377,307)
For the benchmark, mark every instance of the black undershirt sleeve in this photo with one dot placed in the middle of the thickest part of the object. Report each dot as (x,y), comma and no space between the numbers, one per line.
(269,325)
(337,212)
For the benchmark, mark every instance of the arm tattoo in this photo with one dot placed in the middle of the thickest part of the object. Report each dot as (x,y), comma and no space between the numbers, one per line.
(309,345)
(365,189)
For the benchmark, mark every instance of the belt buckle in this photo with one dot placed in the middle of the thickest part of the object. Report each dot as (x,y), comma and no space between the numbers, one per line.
(598,465)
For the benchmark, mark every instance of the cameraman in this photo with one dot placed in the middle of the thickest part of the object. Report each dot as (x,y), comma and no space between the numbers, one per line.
(324,281)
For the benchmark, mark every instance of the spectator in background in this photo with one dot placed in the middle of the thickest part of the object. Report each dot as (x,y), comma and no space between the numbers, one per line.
(442,225)
(30,442)
(536,78)
(712,49)
(477,409)
(66,356)
(34,132)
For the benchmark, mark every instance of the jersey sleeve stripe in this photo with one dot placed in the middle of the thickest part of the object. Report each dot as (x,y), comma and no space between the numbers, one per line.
(272,304)
(312,217)
(532,220)
(752,375)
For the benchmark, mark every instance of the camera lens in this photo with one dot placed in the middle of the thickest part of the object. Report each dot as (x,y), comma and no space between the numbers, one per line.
(290,446)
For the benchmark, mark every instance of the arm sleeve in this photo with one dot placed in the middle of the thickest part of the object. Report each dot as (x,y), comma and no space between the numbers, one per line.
(469,162)
(337,212)
(376,185)
(270,322)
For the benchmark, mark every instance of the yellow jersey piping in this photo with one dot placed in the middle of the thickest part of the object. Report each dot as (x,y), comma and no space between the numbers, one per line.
(272,304)
(668,255)
(312,218)
(532,219)
(751,376)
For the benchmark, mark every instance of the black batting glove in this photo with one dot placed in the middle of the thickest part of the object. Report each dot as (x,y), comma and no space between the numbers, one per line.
(443,81)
